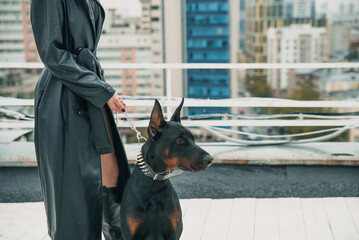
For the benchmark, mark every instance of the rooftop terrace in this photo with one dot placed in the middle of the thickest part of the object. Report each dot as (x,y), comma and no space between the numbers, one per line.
(233,218)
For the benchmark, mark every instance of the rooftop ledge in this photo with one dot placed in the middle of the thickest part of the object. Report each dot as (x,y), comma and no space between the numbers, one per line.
(22,154)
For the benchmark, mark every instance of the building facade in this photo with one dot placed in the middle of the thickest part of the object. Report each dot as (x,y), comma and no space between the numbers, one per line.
(123,42)
(297,43)
(208,41)
(242,26)
(152,24)
(299,9)
(340,40)
(264,14)
(17,44)
(260,15)
(16,37)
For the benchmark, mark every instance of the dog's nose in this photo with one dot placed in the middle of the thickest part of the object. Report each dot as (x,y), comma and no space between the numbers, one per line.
(208,159)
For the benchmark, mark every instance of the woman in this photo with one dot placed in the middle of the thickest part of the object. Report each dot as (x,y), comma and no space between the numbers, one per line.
(82,164)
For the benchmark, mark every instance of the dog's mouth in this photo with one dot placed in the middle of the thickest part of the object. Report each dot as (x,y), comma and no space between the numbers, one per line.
(194,167)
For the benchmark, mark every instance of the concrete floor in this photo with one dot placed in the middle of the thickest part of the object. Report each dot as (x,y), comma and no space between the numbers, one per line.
(21,184)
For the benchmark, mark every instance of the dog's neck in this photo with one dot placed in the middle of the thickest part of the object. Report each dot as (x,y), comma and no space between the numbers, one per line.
(145,182)
(151,166)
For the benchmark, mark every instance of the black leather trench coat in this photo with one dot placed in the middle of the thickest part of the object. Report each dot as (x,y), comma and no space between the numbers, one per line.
(70,130)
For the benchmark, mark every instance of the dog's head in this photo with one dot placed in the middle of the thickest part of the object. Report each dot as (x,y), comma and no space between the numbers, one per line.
(173,145)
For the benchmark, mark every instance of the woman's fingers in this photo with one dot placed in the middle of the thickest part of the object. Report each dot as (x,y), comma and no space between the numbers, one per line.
(116,103)
(122,103)
(113,106)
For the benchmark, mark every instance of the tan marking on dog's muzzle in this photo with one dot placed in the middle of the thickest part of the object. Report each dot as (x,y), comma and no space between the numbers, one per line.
(173,163)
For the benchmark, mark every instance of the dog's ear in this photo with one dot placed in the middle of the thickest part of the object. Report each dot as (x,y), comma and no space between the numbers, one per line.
(157,122)
(176,117)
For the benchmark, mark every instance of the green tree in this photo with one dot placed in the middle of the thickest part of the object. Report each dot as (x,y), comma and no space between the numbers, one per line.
(258,87)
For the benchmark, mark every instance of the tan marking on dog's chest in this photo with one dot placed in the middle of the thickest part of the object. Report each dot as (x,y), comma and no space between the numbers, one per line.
(133,223)
(175,218)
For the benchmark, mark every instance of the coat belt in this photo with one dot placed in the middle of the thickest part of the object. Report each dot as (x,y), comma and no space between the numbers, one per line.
(87,58)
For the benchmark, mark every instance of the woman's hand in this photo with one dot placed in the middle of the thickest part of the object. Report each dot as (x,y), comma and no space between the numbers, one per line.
(116,103)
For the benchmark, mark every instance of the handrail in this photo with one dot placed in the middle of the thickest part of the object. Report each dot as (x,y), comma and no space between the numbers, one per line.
(238,102)
(224,123)
(171,102)
(119,65)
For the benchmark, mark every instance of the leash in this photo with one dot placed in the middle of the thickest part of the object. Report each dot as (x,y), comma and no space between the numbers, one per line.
(144,167)
(132,127)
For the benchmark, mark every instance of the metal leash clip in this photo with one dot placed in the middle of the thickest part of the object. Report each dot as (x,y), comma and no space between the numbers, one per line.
(133,127)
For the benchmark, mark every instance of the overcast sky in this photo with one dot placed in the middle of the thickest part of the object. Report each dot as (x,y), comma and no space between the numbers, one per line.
(133,7)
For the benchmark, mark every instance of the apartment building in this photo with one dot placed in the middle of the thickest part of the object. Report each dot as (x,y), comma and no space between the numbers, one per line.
(297,43)
(123,42)
(16,37)
(340,39)
(299,9)
(152,24)
(17,44)
(264,14)
(260,15)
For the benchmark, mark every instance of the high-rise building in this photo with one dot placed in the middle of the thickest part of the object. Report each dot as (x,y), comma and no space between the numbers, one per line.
(123,42)
(299,9)
(260,15)
(151,23)
(17,44)
(340,40)
(297,43)
(264,14)
(205,31)
(16,38)
(242,26)
(127,48)
(31,54)
(208,41)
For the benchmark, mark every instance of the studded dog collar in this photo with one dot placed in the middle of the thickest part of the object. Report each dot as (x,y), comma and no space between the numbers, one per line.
(149,172)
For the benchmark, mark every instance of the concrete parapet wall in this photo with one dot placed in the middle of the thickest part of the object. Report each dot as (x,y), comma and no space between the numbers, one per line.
(22,154)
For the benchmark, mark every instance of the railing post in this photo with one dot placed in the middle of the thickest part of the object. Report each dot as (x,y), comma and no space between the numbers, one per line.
(169,92)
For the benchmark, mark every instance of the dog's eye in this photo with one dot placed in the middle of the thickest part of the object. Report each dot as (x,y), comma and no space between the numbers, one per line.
(179,141)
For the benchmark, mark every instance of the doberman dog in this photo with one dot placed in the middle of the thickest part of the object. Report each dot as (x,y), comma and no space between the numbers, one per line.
(150,206)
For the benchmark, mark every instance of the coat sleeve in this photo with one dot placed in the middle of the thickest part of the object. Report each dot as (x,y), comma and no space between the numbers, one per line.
(47,19)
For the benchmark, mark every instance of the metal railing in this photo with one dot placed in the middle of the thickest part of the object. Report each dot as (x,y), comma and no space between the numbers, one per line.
(169,102)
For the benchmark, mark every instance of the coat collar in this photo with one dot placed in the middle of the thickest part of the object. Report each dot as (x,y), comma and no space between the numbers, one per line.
(96,27)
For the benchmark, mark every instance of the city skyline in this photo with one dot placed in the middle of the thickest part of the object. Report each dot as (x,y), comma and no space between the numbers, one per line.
(134,6)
